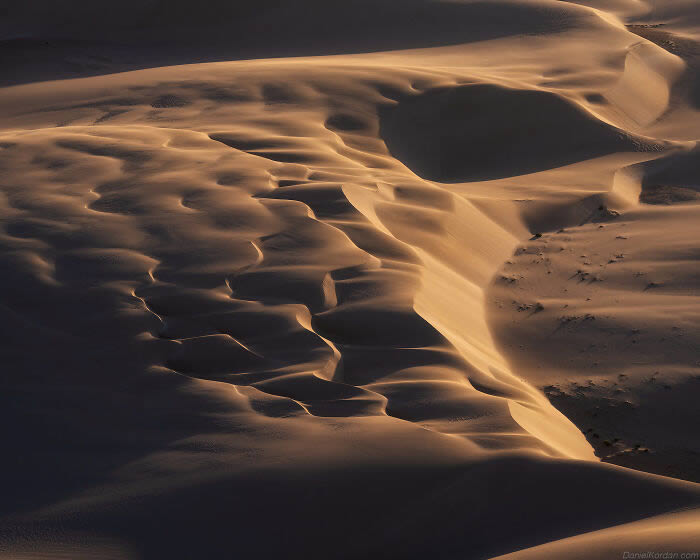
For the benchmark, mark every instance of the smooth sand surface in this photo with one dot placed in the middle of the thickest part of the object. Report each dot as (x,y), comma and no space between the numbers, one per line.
(424,287)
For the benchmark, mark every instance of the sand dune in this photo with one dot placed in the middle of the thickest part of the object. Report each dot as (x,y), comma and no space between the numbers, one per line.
(432,302)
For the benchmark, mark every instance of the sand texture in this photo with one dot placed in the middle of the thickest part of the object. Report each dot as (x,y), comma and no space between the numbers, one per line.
(322,279)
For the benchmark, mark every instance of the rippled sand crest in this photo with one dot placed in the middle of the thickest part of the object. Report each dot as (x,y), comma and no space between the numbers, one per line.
(400,303)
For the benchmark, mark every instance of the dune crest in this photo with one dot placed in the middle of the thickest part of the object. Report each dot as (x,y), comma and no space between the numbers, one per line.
(433,302)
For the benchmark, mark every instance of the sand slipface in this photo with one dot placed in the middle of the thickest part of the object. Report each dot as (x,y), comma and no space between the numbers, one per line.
(426,287)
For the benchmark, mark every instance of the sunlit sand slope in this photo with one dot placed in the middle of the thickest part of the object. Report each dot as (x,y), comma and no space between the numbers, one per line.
(359,304)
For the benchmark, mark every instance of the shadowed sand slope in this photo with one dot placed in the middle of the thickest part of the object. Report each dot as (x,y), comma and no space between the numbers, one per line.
(333,305)
(44,40)
(480,132)
(675,531)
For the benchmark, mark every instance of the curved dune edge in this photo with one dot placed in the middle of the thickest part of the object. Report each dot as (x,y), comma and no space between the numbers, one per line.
(458,223)
(236,242)
(673,532)
(658,70)
(443,290)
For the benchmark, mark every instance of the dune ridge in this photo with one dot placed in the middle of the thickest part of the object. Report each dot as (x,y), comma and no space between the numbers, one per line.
(356,278)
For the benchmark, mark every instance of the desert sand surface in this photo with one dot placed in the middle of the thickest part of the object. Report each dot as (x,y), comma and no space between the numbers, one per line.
(386,279)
